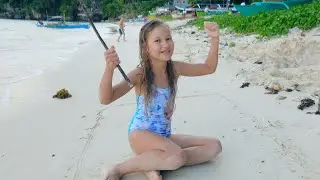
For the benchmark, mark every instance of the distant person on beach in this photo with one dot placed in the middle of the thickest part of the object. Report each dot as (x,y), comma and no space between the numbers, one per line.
(121,30)
(155,80)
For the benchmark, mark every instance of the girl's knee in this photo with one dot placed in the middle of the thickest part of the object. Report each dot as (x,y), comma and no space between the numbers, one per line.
(177,160)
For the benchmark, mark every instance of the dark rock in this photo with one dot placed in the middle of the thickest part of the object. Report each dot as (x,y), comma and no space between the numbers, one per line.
(318,111)
(289,90)
(246,84)
(307,102)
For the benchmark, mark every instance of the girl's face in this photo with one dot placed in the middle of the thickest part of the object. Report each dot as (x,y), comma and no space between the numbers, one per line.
(160,45)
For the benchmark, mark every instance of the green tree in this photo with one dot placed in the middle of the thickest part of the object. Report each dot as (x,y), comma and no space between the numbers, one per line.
(112,8)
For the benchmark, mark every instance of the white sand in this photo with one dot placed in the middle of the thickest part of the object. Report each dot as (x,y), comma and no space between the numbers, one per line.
(292,59)
(44,138)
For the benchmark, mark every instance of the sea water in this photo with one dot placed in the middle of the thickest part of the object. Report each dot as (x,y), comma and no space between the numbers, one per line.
(27,51)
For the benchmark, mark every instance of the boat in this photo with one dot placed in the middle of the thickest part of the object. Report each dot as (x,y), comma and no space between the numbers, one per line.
(216,11)
(64,25)
(257,7)
(204,9)
(187,9)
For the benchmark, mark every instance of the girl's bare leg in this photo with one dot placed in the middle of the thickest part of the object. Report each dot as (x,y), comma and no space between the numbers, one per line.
(198,149)
(151,175)
(158,153)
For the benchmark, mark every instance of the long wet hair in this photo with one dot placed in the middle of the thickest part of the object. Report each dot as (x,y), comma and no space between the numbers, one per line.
(147,78)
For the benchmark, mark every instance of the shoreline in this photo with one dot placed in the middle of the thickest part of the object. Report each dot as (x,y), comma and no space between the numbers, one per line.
(39,50)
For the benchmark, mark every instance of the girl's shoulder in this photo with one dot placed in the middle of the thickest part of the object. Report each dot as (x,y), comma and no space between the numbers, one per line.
(139,70)
(175,65)
(137,73)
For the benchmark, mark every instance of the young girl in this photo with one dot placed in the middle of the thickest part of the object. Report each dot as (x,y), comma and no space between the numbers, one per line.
(155,84)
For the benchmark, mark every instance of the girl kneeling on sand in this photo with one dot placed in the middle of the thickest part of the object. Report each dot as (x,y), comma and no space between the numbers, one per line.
(155,83)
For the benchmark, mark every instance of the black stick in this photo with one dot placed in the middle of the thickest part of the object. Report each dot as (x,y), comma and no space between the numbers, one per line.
(103,43)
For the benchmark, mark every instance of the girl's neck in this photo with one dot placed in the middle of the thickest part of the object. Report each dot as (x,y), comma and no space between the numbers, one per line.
(159,67)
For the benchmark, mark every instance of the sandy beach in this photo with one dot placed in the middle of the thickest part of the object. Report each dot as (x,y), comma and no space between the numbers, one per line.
(263,138)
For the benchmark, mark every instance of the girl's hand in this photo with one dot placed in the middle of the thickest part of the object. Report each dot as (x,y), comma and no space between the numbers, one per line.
(212,29)
(169,110)
(111,58)
(169,115)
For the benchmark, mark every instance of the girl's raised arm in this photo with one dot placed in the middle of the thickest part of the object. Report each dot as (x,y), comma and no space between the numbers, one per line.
(210,64)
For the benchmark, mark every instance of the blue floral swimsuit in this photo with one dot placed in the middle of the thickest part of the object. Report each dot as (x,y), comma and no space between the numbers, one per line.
(155,121)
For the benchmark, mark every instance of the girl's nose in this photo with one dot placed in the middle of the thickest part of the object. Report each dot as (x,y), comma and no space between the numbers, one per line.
(164,44)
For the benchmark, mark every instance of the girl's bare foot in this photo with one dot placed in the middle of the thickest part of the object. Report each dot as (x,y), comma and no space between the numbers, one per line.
(153,175)
(113,174)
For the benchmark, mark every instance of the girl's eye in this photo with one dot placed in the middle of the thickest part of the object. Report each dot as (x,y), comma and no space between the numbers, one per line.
(169,38)
(157,40)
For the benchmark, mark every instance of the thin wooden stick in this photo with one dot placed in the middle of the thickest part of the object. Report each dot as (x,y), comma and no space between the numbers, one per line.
(103,43)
